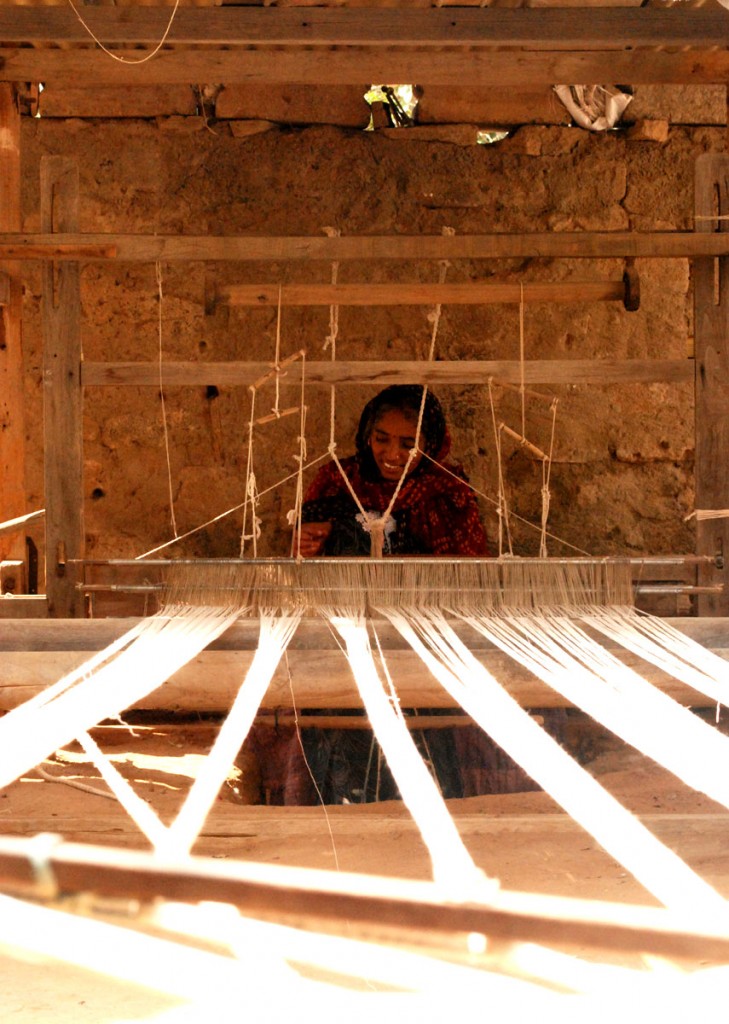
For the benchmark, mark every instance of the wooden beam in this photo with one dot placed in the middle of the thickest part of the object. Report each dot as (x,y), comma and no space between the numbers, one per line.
(555,28)
(36,654)
(61,307)
(711,340)
(464,371)
(350,66)
(12,376)
(117,101)
(296,104)
(492,108)
(405,294)
(260,248)
(362,905)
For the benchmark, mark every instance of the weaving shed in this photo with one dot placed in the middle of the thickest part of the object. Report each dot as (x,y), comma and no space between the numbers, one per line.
(177,223)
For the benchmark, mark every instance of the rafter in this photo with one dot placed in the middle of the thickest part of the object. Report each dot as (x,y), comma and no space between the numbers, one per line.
(552,29)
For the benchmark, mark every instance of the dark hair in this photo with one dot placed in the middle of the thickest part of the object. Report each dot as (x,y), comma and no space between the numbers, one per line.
(405,398)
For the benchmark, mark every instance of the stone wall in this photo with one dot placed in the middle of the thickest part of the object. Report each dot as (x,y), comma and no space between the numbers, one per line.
(621,477)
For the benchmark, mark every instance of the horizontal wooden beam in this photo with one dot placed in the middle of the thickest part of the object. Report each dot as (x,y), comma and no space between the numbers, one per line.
(36,654)
(471,293)
(556,28)
(353,65)
(503,245)
(462,371)
(363,906)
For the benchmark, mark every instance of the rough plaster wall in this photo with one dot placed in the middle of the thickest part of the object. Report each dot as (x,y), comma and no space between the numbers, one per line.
(622,473)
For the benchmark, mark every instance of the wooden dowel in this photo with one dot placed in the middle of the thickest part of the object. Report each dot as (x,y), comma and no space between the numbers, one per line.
(278,415)
(12,525)
(475,293)
(523,443)
(276,370)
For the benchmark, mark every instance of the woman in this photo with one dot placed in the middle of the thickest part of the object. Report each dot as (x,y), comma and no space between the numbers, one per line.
(435,512)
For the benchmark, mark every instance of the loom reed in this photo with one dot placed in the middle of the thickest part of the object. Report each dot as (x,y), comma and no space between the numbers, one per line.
(363,585)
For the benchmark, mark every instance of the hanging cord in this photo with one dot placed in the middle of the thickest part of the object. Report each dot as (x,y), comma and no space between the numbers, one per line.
(160,296)
(295,515)
(546,473)
(115,56)
(522,389)
(277,364)
(330,343)
(377,526)
(502,508)
(251,493)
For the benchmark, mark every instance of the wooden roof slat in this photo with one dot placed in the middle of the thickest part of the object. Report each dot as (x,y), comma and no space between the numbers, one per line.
(542,29)
(352,65)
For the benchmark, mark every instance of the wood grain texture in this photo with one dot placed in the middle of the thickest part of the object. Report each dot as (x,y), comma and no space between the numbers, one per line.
(350,66)
(556,28)
(62,395)
(465,371)
(200,248)
(12,410)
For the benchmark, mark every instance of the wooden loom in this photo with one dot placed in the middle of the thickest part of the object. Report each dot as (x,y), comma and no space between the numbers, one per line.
(708,245)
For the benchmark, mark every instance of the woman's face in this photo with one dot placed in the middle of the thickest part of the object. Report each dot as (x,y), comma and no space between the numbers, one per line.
(392,437)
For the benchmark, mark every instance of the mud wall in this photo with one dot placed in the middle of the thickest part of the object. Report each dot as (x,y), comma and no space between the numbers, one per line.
(622,473)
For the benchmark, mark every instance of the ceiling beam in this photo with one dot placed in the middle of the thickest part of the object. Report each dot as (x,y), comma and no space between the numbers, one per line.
(323,66)
(200,248)
(556,28)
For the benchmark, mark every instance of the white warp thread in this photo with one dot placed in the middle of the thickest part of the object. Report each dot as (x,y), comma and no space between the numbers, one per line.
(667,648)
(453,867)
(275,634)
(565,657)
(163,645)
(621,834)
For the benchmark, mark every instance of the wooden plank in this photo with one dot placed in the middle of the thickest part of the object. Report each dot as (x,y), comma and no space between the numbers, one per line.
(261,248)
(12,376)
(296,104)
(596,28)
(711,340)
(117,101)
(26,606)
(364,906)
(463,371)
(350,66)
(404,294)
(494,107)
(61,309)
(36,654)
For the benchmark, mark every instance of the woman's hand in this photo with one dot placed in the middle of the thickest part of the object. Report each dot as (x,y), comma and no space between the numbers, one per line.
(312,538)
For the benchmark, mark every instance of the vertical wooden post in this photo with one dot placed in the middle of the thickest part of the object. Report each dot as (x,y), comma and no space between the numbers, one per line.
(711,332)
(62,398)
(12,406)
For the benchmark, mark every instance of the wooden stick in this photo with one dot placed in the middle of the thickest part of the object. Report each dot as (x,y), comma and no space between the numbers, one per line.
(312,897)
(475,293)
(557,244)
(523,443)
(12,525)
(383,372)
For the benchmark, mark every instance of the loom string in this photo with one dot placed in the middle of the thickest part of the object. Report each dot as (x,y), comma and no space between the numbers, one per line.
(274,636)
(453,867)
(624,837)
(149,661)
(160,323)
(115,56)
(564,656)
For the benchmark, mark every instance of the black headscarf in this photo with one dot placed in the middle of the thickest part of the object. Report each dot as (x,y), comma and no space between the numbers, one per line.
(407,398)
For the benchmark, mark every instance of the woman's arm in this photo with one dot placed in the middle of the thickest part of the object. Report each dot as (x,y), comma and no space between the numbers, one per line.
(312,538)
